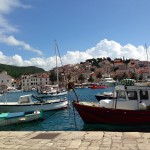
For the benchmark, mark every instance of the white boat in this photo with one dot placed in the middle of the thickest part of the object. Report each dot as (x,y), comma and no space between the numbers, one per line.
(12,89)
(19,117)
(28,103)
(107,81)
(53,90)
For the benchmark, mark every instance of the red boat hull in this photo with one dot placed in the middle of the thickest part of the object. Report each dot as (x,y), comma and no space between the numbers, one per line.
(99,115)
(99,87)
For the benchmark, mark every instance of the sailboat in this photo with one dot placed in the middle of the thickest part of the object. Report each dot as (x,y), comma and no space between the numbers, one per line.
(53,90)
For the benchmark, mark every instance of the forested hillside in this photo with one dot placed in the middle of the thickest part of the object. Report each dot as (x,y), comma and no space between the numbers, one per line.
(16,71)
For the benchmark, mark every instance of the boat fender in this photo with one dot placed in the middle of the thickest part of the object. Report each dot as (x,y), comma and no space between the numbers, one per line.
(142,106)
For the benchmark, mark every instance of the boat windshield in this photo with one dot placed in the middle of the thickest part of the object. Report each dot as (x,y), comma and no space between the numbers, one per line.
(121,95)
(143,95)
(132,95)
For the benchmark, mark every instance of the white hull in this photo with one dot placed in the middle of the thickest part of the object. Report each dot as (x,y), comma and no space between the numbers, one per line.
(52,94)
(45,106)
(21,119)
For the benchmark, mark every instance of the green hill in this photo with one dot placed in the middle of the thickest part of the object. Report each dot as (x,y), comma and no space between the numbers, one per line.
(16,71)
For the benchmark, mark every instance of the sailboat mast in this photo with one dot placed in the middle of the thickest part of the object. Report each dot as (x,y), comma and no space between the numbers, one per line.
(56,63)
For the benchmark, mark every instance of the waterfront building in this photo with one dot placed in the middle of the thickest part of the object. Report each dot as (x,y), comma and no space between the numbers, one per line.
(32,81)
(6,81)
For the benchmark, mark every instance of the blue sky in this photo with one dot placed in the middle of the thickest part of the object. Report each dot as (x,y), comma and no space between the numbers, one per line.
(83,29)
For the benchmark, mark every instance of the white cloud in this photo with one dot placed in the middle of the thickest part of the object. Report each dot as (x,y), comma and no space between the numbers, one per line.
(5,27)
(112,49)
(12,41)
(104,48)
(6,7)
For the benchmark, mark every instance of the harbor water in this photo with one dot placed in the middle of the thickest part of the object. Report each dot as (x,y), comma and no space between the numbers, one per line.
(66,119)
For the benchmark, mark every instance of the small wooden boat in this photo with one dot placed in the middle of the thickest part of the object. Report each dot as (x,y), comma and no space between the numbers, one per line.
(19,117)
(131,106)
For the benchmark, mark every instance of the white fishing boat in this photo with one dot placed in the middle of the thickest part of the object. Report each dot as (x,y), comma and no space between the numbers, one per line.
(107,81)
(12,90)
(53,90)
(28,103)
(131,106)
(19,117)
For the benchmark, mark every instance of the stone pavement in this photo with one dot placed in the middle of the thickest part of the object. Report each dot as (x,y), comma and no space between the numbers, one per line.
(74,140)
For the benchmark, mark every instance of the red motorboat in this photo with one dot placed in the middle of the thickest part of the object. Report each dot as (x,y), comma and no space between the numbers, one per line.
(98,86)
(93,113)
(130,106)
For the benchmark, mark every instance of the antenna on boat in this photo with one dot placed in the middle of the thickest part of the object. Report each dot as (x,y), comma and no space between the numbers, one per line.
(56,51)
(147,58)
(71,86)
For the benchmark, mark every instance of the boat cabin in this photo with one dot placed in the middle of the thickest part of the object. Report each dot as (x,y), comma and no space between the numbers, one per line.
(129,97)
(25,99)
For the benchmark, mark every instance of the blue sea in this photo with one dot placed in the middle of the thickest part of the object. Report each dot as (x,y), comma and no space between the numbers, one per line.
(66,119)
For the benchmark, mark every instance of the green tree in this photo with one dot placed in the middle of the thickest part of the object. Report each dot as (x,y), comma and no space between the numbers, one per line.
(69,76)
(133,76)
(125,76)
(109,59)
(141,77)
(90,79)
(99,75)
(81,78)
(92,69)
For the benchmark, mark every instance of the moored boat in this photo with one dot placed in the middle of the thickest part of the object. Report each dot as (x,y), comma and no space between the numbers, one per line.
(107,81)
(51,91)
(19,117)
(131,106)
(97,86)
(27,103)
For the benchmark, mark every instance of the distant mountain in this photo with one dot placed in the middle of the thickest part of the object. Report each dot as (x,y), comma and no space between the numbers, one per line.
(16,71)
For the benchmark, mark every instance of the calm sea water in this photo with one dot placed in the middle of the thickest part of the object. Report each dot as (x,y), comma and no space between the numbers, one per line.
(67,119)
